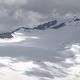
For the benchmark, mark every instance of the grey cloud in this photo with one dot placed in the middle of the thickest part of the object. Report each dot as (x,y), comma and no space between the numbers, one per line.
(41,6)
(47,6)
(13,2)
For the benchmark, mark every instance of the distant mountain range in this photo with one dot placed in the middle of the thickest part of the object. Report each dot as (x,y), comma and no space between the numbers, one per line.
(54,24)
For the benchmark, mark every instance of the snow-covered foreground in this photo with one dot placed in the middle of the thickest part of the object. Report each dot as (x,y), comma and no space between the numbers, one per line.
(41,55)
(23,69)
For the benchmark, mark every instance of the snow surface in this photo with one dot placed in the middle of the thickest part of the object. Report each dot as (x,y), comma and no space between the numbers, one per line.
(41,55)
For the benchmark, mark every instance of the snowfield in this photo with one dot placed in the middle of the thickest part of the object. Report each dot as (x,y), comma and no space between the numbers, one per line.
(41,54)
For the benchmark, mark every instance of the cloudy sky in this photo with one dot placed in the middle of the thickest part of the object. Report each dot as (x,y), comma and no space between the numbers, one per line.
(30,12)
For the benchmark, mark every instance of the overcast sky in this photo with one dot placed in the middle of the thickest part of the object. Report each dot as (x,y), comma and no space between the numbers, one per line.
(30,12)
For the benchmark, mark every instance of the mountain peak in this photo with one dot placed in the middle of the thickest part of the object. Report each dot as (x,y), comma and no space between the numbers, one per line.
(53,24)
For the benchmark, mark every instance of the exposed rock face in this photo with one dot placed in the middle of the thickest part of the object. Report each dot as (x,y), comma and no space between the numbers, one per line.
(46,25)
(77,19)
(6,35)
(25,28)
(59,26)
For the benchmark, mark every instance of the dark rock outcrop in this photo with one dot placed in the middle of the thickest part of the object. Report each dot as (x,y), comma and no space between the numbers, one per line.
(6,35)
(25,28)
(9,34)
(59,26)
(45,25)
(77,19)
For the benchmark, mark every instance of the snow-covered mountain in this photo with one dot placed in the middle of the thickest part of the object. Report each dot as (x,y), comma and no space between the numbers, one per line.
(49,51)
(53,24)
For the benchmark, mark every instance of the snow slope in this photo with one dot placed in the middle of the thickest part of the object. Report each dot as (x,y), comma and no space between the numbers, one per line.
(51,54)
